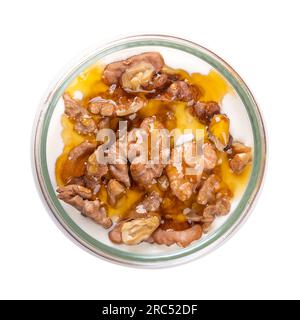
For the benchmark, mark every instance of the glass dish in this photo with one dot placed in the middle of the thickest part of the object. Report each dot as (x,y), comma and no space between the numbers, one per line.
(241,107)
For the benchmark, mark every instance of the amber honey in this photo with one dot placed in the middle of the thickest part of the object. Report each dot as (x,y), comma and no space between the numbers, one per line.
(172,114)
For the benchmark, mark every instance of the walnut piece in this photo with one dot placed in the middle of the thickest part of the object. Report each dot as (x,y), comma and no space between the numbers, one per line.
(152,202)
(73,108)
(71,190)
(238,147)
(131,107)
(94,211)
(181,238)
(207,193)
(94,173)
(193,216)
(115,235)
(78,196)
(239,162)
(104,123)
(115,190)
(83,149)
(138,230)
(134,72)
(163,183)
(116,162)
(181,187)
(120,172)
(145,174)
(79,181)
(180,90)
(84,124)
(134,231)
(160,81)
(148,206)
(209,156)
(241,156)
(185,170)
(109,108)
(206,110)
(137,76)
(94,168)
(102,107)
(220,208)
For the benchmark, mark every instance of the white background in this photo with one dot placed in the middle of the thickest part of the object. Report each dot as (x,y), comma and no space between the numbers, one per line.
(260,39)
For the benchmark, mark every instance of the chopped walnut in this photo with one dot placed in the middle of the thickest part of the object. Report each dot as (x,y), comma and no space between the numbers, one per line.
(210,156)
(239,162)
(134,72)
(208,218)
(160,81)
(78,196)
(220,208)
(206,110)
(185,170)
(154,58)
(148,206)
(104,123)
(71,190)
(152,202)
(77,180)
(116,162)
(207,193)
(109,108)
(93,183)
(94,211)
(163,183)
(180,90)
(131,107)
(138,230)
(102,107)
(134,231)
(115,190)
(145,174)
(95,172)
(73,108)
(150,123)
(238,147)
(193,216)
(181,187)
(115,235)
(137,76)
(83,149)
(182,238)
(120,172)
(241,156)
(84,124)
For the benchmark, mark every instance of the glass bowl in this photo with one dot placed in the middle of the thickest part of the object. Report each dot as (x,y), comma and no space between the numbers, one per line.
(246,122)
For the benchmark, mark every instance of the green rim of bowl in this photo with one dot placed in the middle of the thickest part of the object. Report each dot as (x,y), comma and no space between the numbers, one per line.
(236,216)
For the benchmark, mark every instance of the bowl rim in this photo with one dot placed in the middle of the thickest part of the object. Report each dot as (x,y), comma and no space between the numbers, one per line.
(213,240)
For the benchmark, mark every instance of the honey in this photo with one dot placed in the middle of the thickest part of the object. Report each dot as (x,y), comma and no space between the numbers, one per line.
(173,115)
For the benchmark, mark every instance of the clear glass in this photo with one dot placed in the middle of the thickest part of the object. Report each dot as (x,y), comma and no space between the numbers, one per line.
(168,258)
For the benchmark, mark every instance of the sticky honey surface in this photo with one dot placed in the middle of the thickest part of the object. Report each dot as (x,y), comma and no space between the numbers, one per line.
(89,84)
